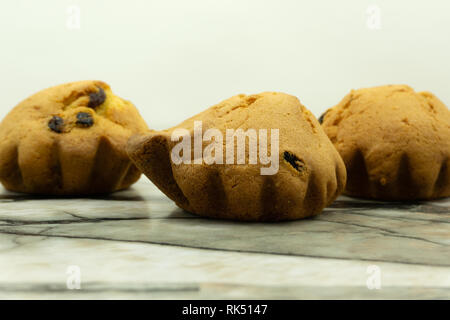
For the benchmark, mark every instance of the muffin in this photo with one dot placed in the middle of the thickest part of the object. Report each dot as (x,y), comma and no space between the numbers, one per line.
(69,140)
(305,173)
(395,143)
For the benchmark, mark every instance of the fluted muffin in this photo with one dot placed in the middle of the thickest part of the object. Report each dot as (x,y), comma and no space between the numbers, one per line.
(395,143)
(310,174)
(68,140)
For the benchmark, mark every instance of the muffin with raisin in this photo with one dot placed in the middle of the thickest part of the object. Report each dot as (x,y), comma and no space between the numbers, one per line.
(69,140)
(395,143)
(228,173)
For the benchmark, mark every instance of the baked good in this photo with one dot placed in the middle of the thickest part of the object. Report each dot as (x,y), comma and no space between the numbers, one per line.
(69,139)
(309,176)
(395,143)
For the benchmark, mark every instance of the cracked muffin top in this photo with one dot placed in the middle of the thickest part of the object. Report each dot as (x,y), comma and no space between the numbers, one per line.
(394,141)
(309,172)
(69,139)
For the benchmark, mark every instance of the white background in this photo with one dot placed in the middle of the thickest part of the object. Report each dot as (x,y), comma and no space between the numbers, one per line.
(176,58)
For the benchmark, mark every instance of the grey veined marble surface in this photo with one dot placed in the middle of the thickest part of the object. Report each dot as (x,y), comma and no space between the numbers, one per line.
(136,244)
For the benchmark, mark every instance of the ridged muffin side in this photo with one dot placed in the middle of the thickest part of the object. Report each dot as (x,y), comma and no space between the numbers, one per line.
(394,141)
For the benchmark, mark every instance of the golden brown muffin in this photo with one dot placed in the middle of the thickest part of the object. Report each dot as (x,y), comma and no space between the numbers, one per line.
(69,139)
(310,174)
(395,143)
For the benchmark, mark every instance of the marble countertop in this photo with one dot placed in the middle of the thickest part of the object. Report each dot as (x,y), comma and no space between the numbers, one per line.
(136,244)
